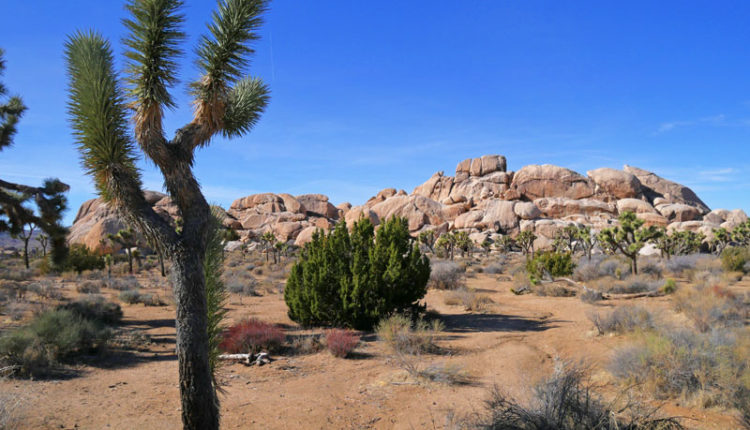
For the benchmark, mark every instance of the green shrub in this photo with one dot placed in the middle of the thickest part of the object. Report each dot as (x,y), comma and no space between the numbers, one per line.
(734,259)
(95,309)
(130,296)
(53,337)
(82,258)
(550,263)
(669,287)
(353,280)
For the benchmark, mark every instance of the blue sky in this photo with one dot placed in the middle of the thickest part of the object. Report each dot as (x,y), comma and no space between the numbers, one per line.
(369,95)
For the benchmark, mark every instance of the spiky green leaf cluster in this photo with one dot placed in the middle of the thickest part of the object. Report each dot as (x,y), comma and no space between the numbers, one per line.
(10,111)
(153,45)
(216,294)
(246,102)
(224,55)
(98,114)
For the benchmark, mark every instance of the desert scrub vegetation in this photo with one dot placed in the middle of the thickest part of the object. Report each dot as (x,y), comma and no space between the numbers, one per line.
(133,297)
(736,259)
(622,319)
(469,299)
(710,369)
(446,275)
(403,335)
(53,338)
(712,307)
(354,279)
(340,342)
(566,400)
(550,264)
(252,336)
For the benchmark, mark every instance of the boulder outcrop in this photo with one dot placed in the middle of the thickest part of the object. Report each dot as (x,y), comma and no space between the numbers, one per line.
(483,198)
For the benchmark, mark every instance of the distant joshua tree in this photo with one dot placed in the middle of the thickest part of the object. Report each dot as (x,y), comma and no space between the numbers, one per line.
(226,103)
(50,201)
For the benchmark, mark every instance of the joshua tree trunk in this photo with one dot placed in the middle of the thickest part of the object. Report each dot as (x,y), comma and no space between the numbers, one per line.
(26,251)
(130,260)
(199,405)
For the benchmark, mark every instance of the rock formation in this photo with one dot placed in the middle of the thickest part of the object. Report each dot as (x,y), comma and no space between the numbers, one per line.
(483,198)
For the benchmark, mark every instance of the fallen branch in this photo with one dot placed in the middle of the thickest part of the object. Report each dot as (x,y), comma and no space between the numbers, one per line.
(260,358)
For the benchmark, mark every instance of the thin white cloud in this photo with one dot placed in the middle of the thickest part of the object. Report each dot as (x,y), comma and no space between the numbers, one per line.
(714,120)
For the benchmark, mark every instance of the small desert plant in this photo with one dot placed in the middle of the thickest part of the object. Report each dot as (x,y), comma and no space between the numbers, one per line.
(469,299)
(446,275)
(130,296)
(711,307)
(567,400)
(306,344)
(53,337)
(636,285)
(46,289)
(495,268)
(95,308)
(680,264)
(651,268)
(9,411)
(623,319)
(252,336)
(402,335)
(591,296)
(679,362)
(89,287)
(124,283)
(441,373)
(669,287)
(341,342)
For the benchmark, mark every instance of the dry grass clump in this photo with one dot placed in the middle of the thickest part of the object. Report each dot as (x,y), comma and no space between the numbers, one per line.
(469,299)
(495,267)
(441,373)
(134,297)
(711,369)
(90,287)
(240,281)
(446,275)
(10,408)
(711,307)
(623,319)
(124,283)
(46,289)
(566,400)
(404,336)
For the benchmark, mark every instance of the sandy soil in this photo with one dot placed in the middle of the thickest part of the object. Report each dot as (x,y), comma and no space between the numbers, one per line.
(511,346)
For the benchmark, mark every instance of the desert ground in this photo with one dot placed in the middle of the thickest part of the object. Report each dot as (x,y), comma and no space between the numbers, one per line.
(510,343)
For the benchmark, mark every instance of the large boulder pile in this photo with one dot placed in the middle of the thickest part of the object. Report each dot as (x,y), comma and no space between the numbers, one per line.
(483,198)
(96,219)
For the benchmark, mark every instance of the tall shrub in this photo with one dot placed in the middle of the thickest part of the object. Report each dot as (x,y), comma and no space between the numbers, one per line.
(354,279)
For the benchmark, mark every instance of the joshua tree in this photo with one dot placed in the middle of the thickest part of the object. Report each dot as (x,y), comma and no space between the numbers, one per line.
(226,103)
(505,244)
(629,237)
(268,239)
(463,242)
(25,236)
(127,239)
(586,240)
(567,239)
(526,240)
(43,240)
(15,212)
(447,243)
(721,240)
(427,238)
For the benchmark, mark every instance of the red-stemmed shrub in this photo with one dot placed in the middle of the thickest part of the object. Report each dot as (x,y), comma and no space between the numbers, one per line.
(252,336)
(341,342)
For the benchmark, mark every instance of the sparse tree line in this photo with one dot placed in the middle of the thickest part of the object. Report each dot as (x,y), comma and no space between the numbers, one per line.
(628,238)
